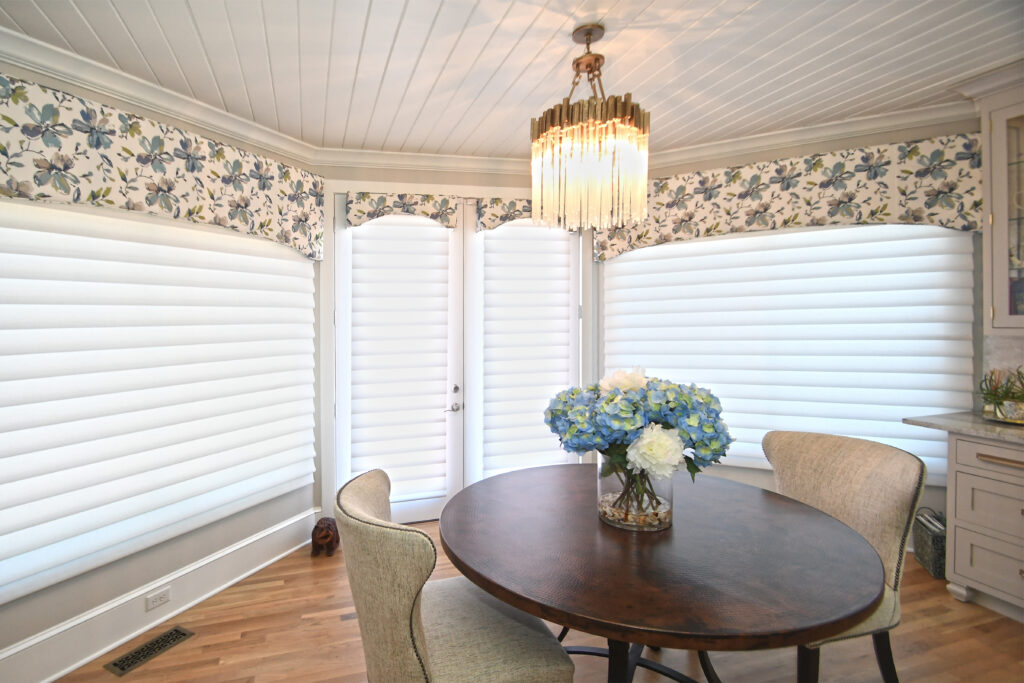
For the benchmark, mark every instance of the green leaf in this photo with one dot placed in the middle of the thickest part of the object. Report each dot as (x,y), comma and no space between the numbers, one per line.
(616,451)
(692,467)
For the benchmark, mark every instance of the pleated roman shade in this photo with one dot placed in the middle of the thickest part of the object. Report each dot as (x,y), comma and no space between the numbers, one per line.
(840,330)
(153,379)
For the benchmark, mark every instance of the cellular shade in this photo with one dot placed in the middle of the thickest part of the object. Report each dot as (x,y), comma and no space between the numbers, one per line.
(400,346)
(529,341)
(153,379)
(840,330)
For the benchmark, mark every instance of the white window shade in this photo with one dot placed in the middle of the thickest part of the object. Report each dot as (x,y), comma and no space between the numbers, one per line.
(842,330)
(153,379)
(400,354)
(525,348)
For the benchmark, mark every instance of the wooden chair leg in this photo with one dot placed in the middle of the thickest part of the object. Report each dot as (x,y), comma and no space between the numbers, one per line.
(807,664)
(883,653)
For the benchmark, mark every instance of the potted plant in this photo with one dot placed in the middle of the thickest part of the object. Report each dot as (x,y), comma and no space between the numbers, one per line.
(1003,392)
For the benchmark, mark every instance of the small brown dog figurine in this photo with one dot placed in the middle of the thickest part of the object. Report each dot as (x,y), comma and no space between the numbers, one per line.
(325,536)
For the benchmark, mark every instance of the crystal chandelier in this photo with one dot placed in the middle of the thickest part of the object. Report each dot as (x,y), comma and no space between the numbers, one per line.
(589,157)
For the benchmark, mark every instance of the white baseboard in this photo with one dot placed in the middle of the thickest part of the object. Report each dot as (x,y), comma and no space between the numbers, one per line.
(77,641)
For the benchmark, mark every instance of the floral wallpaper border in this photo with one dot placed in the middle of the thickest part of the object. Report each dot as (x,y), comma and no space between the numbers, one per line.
(56,147)
(494,211)
(365,206)
(935,181)
(445,209)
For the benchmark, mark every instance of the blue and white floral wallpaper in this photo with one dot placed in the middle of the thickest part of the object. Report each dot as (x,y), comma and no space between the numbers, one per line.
(365,206)
(494,211)
(935,181)
(60,148)
(490,212)
(56,147)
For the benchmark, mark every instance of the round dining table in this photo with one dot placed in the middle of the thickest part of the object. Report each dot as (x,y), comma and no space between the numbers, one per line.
(741,568)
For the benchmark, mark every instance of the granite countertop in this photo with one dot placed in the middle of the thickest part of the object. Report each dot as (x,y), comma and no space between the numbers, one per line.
(971,424)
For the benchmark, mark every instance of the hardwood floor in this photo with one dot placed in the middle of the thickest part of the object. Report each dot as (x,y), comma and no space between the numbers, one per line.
(294,620)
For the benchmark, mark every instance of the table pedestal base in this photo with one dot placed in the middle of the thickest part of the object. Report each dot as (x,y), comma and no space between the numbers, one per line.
(623,659)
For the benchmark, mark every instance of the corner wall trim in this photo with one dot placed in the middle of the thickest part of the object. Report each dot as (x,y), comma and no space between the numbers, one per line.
(63,648)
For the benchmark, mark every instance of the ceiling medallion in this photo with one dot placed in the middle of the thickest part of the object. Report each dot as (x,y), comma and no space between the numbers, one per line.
(589,157)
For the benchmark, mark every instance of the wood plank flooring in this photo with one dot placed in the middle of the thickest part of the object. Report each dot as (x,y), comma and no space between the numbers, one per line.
(294,620)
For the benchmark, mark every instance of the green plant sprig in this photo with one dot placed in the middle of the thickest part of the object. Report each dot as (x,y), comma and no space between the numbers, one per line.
(1000,386)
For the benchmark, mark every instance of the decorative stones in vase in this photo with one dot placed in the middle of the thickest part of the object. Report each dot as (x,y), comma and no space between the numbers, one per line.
(632,500)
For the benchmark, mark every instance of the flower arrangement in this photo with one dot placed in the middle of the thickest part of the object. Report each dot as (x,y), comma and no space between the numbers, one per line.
(644,428)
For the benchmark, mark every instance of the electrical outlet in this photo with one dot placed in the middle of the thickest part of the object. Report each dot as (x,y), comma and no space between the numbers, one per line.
(160,597)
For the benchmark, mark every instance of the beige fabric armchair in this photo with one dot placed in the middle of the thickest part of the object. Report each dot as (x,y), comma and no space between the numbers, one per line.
(872,488)
(438,631)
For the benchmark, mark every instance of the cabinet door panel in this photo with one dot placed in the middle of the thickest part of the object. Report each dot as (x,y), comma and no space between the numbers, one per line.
(990,504)
(990,562)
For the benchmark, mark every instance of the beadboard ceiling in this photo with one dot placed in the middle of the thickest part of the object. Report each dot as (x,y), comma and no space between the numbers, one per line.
(463,77)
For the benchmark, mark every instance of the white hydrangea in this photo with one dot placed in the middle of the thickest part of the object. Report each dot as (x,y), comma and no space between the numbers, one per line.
(621,379)
(658,451)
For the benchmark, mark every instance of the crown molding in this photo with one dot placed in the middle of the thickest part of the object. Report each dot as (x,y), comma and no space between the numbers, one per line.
(823,133)
(362,158)
(38,57)
(991,82)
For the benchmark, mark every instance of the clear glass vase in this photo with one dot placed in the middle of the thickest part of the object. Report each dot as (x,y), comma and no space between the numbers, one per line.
(632,501)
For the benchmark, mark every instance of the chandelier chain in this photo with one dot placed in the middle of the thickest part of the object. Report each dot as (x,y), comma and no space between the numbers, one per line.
(575,82)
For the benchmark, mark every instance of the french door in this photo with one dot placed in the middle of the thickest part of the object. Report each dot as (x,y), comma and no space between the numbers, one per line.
(452,342)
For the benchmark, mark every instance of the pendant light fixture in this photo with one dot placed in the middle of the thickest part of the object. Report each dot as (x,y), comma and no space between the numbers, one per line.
(589,157)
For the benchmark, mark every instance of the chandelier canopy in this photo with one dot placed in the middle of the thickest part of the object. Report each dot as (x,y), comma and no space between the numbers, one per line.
(589,157)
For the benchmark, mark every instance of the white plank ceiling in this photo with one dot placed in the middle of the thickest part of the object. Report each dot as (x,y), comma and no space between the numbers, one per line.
(463,77)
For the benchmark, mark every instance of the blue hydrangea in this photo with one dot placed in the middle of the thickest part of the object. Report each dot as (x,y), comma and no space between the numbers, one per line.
(585,419)
(570,414)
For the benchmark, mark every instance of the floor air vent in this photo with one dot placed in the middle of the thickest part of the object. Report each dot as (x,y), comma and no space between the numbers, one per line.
(147,651)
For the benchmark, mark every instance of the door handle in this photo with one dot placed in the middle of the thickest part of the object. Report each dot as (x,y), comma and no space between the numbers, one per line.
(454,409)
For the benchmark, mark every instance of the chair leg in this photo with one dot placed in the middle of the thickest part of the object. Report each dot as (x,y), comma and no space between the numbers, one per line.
(563,634)
(705,665)
(883,653)
(807,664)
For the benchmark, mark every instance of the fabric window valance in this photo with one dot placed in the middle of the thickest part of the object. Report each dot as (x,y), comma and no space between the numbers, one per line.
(445,209)
(56,147)
(494,211)
(935,181)
(365,206)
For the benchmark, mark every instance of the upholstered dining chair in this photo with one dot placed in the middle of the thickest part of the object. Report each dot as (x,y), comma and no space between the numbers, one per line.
(872,488)
(436,631)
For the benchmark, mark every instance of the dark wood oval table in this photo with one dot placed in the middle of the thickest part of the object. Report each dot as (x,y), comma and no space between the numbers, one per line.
(740,568)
